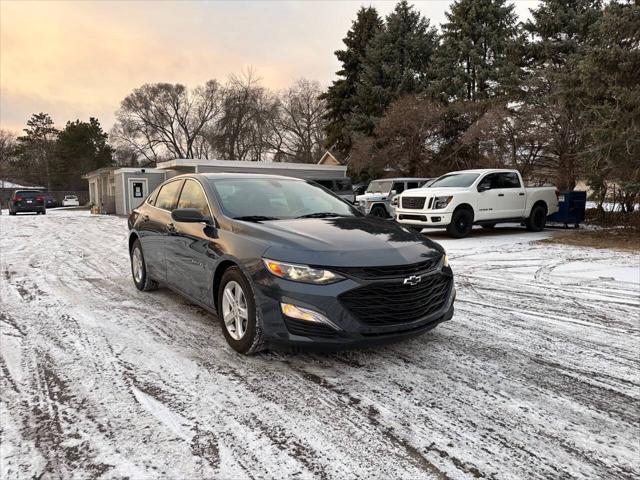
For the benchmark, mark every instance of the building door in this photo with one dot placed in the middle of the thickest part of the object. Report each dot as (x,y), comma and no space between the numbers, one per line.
(137,192)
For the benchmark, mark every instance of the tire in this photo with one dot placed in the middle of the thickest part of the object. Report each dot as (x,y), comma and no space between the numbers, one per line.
(141,279)
(378,211)
(489,226)
(11,213)
(537,219)
(249,340)
(461,223)
(44,212)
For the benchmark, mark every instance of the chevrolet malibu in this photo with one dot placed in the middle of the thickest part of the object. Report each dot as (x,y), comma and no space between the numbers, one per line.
(283,262)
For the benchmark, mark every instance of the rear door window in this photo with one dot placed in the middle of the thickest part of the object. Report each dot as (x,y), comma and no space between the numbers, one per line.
(168,195)
(412,184)
(509,180)
(192,196)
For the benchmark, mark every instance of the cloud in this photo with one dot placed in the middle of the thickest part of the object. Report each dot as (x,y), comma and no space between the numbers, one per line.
(80,59)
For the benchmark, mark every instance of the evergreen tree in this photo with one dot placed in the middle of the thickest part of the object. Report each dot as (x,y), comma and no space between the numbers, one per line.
(340,95)
(35,150)
(81,147)
(560,31)
(396,63)
(609,75)
(478,54)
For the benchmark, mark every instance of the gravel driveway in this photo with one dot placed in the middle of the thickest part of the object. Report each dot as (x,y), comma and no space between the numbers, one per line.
(536,376)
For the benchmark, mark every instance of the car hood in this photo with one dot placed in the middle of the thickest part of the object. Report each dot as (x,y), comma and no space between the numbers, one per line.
(372,196)
(342,241)
(434,192)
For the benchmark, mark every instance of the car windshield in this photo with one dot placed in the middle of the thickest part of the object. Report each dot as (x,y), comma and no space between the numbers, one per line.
(455,180)
(380,186)
(261,199)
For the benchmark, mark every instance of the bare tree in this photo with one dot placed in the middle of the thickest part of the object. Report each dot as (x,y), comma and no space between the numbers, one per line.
(301,122)
(247,120)
(164,119)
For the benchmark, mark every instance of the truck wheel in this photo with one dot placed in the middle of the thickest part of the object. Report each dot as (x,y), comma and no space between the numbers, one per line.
(379,211)
(537,219)
(489,226)
(461,223)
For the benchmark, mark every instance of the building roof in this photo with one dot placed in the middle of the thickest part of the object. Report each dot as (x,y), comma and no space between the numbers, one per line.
(98,172)
(190,162)
(12,185)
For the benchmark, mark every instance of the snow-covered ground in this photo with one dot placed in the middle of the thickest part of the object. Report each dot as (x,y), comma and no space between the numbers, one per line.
(536,376)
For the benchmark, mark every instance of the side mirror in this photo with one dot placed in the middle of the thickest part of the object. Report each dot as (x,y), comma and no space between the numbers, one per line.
(483,187)
(393,192)
(189,215)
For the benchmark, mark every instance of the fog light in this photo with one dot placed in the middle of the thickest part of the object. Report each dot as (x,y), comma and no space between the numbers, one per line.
(435,219)
(300,313)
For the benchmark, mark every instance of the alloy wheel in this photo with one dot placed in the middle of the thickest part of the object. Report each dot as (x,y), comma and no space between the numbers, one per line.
(234,310)
(137,265)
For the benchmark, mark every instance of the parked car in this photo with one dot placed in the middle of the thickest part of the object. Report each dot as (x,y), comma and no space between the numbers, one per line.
(50,201)
(284,262)
(376,200)
(27,201)
(70,201)
(340,186)
(459,200)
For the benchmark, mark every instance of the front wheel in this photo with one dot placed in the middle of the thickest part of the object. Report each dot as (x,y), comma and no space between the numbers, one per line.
(139,269)
(537,219)
(237,312)
(379,211)
(461,223)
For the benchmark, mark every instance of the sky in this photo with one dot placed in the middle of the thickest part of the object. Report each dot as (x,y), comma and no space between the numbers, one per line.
(76,59)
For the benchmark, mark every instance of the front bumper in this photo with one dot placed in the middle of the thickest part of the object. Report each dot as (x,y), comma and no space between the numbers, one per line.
(425,219)
(281,332)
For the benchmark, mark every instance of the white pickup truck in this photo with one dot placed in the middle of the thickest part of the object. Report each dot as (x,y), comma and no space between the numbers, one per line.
(458,200)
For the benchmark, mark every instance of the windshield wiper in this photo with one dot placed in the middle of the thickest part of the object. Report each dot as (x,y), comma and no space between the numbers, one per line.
(254,218)
(321,215)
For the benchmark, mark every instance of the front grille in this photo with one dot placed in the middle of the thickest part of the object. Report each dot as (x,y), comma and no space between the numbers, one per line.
(415,203)
(308,329)
(392,303)
(389,271)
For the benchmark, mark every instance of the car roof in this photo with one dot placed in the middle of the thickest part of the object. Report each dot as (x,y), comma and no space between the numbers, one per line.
(234,175)
(484,170)
(403,179)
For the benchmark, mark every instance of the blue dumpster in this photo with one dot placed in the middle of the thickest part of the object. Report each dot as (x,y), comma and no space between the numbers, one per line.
(571,208)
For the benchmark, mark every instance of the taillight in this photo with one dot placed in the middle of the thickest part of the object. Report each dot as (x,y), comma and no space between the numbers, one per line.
(557,194)
(17,199)
(40,199)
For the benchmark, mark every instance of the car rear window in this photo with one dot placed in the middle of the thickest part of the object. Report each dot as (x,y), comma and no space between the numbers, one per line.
(28,193)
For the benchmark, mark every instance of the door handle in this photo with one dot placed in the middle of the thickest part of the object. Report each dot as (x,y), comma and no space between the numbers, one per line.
(145,218)
(501,194)
(171,227)
(521,194)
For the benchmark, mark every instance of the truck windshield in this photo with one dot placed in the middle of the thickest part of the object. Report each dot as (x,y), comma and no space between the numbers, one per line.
(455,180)
(380,186)
(262,199)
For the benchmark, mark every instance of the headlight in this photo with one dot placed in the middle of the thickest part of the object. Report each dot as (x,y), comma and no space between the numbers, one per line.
(441,202)
(301,273)
(394,201)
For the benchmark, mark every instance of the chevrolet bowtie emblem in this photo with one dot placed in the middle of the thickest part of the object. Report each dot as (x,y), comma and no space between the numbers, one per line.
(412,280)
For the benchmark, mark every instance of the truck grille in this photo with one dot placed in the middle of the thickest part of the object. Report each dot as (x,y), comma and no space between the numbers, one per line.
(389,271)
(415,203)
(393,303)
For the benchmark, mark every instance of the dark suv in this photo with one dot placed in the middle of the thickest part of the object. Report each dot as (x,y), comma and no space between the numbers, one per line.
(27,201)
(282,261)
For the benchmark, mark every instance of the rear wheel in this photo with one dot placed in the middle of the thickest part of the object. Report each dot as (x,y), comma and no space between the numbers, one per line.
(139,269)
(537,219)
(237,313)
(379,211)
(461,223)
